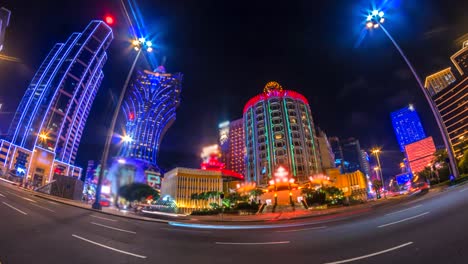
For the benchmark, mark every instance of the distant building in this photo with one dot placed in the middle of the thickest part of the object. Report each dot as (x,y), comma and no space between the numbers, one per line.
(4,23)
(279,131)
(420,154)
(407,126)
(353,184)
(236,142)
(438,81)
(460,59)
(327,157)
(349,156)
(46,130)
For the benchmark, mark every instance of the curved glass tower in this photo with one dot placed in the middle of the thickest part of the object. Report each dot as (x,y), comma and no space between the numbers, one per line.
(279,132)
(46,130)
(149,109)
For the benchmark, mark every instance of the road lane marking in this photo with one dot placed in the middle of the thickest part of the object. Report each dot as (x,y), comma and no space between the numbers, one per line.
(114,228)
(185,230)
(253,243)
(403,220)
(29,200)
(416,206)
(2,195)
(14,208)
(111,248)
(302,229)
(103,218)
(463,190)
(371,255)
(52,202)
(43,207)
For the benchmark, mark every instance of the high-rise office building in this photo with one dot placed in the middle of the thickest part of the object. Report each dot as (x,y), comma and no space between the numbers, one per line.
(438,81)
(279,132)
(4,23)
(327,157)
(236,141)
(460,59)
(407,126)
(46,130)
(149,109)
(349,157)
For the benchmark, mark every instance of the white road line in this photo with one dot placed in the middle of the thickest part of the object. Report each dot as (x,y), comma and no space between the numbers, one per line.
(2,195)
(371,255)
(52,202)
(29,200)
(416,206)
(111,248)
(185,230)
(103,218)
(403,220)
(302,229)
(253,243)
(14,208)
(114,228)
(463,190)
(45,208)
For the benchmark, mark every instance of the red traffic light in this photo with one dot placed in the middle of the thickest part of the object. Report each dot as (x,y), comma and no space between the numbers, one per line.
(109,20)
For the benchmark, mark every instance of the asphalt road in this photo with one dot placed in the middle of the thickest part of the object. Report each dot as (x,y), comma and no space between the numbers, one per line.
(425,229)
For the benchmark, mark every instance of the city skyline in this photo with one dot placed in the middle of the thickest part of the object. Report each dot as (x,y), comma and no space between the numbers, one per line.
(346,89)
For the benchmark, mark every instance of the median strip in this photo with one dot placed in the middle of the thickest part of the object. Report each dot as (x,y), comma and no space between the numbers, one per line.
(110,248)
(403,220)
(253,243)
(371,255)
(114,228)
(14,208)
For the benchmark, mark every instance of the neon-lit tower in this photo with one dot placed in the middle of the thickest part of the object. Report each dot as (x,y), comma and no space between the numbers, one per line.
(50,119)
(407,126)
(4,23)
(279,132)
(149,109)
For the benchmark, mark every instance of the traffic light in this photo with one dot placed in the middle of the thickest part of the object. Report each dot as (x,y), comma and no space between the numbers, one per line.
(109,20)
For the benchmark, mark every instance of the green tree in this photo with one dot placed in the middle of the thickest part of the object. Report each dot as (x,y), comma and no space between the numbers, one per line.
(138,192)
(463,164)
(334,195)
(256,193)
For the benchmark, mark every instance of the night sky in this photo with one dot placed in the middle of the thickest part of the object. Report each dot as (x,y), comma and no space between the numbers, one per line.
(228,50)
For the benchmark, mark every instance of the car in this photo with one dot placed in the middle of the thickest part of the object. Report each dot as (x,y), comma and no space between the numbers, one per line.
(419,187)
(105,200)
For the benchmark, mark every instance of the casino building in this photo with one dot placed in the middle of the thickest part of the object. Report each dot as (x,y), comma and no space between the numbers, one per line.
(279,131)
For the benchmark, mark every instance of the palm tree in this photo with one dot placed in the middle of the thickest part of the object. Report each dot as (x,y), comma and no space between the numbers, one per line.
(256,193)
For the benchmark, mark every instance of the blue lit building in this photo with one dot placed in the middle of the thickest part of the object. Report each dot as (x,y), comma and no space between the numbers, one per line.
(46,130)
(407,126)
(149,110)
(4,23)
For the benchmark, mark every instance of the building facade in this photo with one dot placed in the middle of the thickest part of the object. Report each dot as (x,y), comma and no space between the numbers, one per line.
(149,110)
(4,23)
(279,131)
(420,154)
(46,130)
(232,143)
(438,81)
(460,59)
(327,157)
(407,126)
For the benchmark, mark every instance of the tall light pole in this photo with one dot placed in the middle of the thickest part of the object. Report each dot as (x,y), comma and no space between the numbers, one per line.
(376,152)
(374,20)
(139,45)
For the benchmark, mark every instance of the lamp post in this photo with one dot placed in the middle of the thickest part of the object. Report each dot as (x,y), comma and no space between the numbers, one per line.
(375,20)
(376,152)
(139,45)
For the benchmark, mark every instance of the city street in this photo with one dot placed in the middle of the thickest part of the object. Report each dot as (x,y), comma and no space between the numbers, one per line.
(423,229)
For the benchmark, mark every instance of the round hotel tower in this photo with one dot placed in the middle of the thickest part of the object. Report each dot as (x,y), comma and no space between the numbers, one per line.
(279,132)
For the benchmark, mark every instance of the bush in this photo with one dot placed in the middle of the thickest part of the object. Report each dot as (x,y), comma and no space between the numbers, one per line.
(246,206)
(205,212)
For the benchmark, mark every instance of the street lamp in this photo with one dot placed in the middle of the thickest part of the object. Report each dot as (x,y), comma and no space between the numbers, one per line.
(376,152)
(374,20)
(139,45)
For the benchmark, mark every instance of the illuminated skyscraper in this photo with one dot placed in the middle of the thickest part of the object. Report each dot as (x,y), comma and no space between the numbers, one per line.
(4,23)
(149,109)
(279,132)
(460,59)
(236,150)
(407,126)
(438,81)
(420,154)
(46,130)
